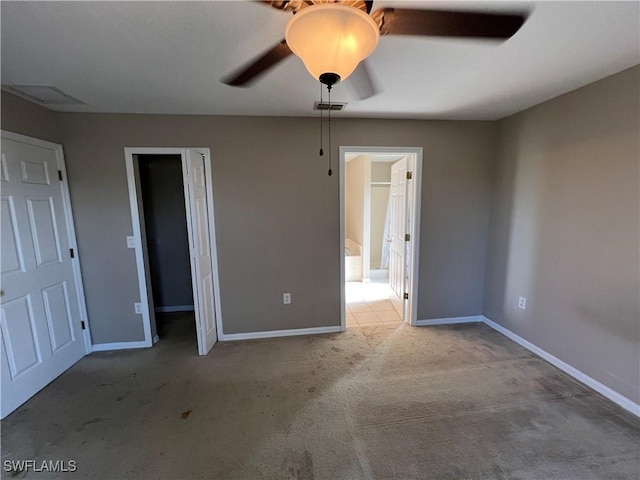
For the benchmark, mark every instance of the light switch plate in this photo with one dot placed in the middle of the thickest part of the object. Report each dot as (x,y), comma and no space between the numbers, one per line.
(131,242)
(522,303)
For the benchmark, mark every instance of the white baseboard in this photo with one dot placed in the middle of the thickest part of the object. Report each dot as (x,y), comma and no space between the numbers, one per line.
(102,347)
(175,308)
(448,320)
(228,337)
(612,395)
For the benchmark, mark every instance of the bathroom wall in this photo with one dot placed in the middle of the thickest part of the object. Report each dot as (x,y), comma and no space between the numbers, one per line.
(380,172)
(354,184)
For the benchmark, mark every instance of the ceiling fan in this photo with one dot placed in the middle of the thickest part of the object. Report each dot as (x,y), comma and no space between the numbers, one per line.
(333,37)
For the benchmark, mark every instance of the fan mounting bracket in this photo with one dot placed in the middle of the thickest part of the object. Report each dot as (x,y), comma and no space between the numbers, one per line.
(296,5)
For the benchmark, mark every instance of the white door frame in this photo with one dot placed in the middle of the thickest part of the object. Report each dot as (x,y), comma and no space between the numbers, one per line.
(140,248)
(414,159)
(71,231)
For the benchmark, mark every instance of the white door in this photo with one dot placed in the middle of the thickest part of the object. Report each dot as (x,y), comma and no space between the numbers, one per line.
(397,230)
(40,313)
(200,245)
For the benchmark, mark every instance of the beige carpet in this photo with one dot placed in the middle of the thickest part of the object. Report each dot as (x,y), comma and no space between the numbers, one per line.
(381,402)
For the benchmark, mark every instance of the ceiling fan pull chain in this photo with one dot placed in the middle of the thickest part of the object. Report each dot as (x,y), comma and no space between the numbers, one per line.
(329,117)
(321,151)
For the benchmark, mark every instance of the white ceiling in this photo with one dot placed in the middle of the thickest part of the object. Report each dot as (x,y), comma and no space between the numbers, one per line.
(169,57)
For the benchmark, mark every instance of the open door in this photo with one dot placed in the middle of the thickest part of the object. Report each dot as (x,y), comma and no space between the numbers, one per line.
(41,318)
(397,230)
(200,248)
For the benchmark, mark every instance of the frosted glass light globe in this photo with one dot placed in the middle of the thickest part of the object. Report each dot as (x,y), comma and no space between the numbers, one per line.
(332,38)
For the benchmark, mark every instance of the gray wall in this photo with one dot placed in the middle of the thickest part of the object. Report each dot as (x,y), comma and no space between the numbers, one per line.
(165,220)
(565,230)
(26,118)
(381,171)
(354,197)
(564,224)
(277,212)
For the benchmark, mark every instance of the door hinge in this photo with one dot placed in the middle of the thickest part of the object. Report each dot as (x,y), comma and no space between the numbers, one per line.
(407,237)
(409,175)
(406,295)
(82,324)
(72,253)
(60,175)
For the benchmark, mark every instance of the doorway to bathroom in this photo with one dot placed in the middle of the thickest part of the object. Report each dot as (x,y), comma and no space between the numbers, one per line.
(380,207)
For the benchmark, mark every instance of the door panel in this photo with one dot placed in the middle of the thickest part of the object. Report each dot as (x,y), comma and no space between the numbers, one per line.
(4,173)
(201,260)
(43,230)
(36,173)
(19,334)
(56,306)
(40,313)
(209,313)
(11,260)
(398,194)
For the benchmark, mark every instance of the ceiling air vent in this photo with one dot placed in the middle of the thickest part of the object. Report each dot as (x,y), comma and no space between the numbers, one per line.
(43,94)
(333,106)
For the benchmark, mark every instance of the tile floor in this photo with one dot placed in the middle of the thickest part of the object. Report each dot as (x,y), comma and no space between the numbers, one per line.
(368,304)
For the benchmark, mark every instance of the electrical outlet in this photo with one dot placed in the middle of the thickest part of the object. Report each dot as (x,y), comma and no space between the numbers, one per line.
(286,298)
(137,307)
(131,242)
(522,303)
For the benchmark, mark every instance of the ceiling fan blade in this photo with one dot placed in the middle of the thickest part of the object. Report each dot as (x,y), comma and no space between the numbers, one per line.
(362,81)
(250,73)
(400,21)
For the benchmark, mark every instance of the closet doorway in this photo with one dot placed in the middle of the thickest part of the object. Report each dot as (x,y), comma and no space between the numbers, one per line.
(167,243)
(379,205)
(171,196)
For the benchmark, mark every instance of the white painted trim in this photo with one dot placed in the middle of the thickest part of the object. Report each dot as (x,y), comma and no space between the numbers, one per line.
(415,235)
(280,333)
(193,255)
(416,153)
(213,245)
(175,308)
(206,156)
(29,140)
(154,150)
(343,309)
(103,347)
(137,235)
(612,395)
(449,321)
(71,232)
